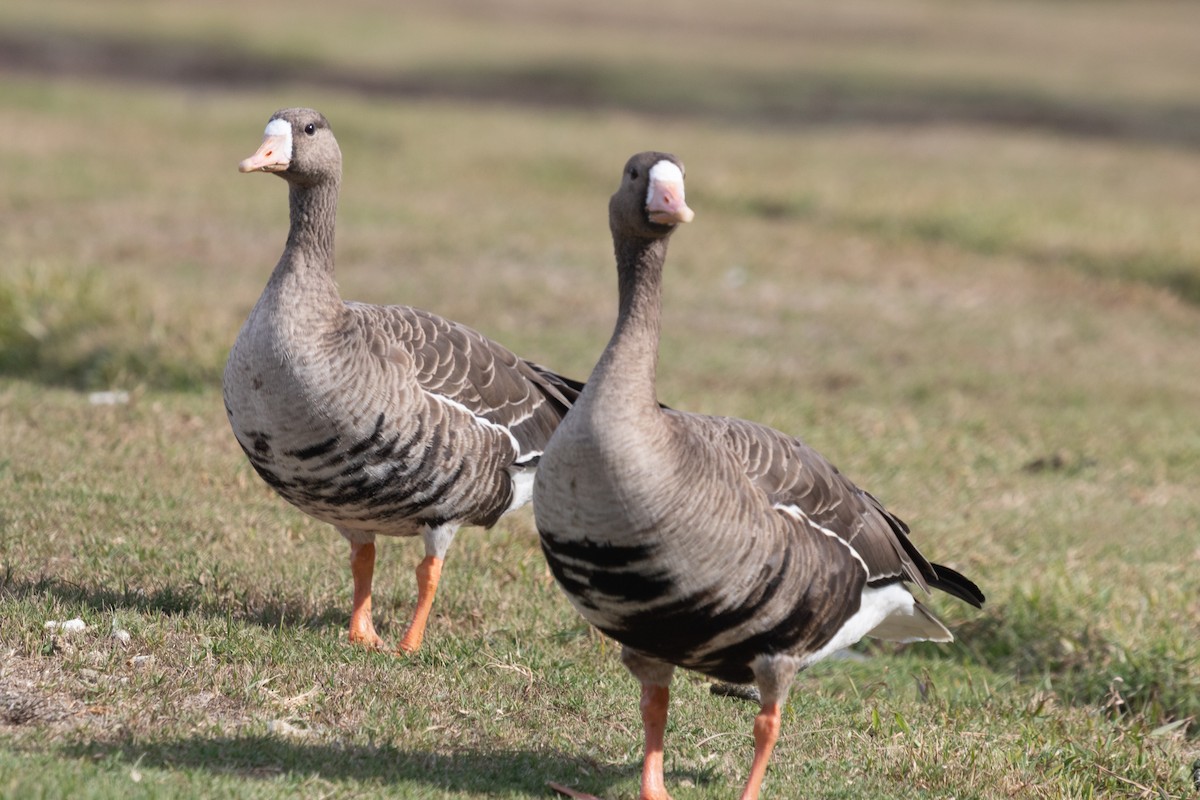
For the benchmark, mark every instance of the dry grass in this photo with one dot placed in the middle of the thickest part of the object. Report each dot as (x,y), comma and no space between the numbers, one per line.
(953,248)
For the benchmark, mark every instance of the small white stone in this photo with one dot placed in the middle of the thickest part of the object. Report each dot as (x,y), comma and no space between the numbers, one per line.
(70,626)
(141,661)
(121,636)
(108,398)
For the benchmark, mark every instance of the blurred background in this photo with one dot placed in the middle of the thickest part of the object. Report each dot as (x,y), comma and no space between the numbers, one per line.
(1054,134)
(953,245)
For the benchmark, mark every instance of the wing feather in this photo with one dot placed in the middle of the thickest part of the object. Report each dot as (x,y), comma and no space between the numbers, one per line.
(459,364)
(792,474)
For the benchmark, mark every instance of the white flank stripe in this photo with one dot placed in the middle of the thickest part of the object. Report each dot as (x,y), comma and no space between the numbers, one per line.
(796,513)
(524,459)
(879,603)
(482,421)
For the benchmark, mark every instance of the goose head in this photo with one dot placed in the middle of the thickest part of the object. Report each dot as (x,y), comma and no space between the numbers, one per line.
(650,201)
(298,145)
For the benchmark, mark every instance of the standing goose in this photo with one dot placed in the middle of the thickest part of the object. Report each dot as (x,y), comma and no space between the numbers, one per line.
(710,543)
(376,419)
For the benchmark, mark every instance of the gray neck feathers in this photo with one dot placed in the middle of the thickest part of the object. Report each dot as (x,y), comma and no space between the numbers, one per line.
(631,358)
(313,212)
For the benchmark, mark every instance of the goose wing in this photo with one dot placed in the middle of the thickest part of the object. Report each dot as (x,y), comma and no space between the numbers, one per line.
(456,364)
(798,480)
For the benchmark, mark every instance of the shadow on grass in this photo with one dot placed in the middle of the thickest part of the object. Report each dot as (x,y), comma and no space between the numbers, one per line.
(274,611)
(1038,640)
(493,772)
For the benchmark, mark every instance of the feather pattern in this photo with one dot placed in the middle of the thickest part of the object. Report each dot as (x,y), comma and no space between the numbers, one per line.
(376,419)
(391,419)
(710,543)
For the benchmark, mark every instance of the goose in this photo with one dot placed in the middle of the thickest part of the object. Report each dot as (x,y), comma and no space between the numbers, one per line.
(710,543)
(379,420)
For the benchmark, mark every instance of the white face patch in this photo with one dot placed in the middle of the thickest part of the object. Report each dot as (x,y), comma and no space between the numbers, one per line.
(664,172)
(283,129)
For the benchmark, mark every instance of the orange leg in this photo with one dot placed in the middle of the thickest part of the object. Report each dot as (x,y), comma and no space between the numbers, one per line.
(654,721)
(362,567)
(766,732)
(429,571)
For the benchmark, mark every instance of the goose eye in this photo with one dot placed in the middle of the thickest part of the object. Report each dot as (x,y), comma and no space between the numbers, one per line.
(310,129)
(633,173)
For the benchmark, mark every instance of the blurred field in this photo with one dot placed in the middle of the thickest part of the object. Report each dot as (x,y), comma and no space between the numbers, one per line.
(953,246)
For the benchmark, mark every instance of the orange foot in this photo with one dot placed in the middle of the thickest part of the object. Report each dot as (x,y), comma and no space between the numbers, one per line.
(362,632)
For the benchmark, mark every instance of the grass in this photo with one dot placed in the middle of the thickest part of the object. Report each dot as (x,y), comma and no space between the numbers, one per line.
(957,257)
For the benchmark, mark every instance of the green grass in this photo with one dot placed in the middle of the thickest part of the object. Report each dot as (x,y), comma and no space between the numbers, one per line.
(955,250)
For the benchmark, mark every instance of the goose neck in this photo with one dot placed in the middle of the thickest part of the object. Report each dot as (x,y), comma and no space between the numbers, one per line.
(313,214)
(631,358)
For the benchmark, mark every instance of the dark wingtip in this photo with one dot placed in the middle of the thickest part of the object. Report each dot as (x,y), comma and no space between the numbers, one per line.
(957,584)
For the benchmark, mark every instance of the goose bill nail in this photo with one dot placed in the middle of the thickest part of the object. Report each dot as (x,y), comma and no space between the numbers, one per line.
(268,158)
